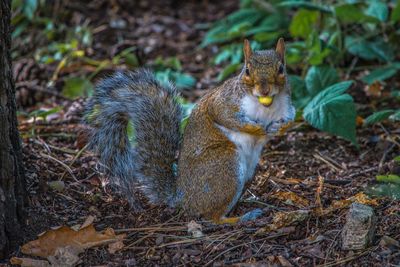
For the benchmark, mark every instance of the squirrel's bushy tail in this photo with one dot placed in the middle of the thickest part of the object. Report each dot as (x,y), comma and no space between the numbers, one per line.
(136,99)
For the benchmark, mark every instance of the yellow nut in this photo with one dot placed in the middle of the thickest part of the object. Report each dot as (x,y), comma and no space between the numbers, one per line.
(265,100)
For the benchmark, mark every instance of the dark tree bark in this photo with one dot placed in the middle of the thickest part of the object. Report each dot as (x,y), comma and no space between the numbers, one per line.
(12,179)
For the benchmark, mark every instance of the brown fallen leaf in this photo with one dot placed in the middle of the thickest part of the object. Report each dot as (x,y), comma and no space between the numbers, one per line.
(344,203)
(27,262)
(359,121)
(374,89)
(288,181)
(64,236)
(291,198)
(283,261)
(283,219)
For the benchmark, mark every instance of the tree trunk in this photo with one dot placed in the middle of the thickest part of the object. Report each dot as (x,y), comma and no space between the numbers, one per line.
(12,182)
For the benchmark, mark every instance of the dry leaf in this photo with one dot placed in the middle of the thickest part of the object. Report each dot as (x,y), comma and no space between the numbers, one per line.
(116,246)
(47,243)
(364,199)
(374,90)
(288,181)
(89,220)
(195,229)
(283,261)
(344,203)
(291,198)
(359,121)
(283,219)
(27,262)
(65,256)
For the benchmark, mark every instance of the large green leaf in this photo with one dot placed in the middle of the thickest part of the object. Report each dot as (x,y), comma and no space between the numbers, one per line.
(378,10)
(233,26)
(320,77)
(333,111)
(395,16)
(303,23)
(351,13)
(369,50)
(378,116)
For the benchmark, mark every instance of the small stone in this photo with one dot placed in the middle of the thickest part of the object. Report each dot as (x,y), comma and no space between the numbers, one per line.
(359,229)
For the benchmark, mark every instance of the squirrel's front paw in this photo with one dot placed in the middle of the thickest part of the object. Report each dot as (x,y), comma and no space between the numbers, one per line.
(251,215)
(274,126)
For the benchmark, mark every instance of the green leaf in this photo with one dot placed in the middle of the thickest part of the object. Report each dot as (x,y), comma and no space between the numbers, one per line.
(395,16)
(317,49)
(320,77)
(300,95)
(236,23)
(369,50)
(75,87)
(378,116)
(380,74)
(390,178)
(183,80)
(391,190)
(29,8)
(306,5)
(350,13)
(397,159)
(43,113)
(130,57)
(333,111)
(228,70)
(378,10)
(303,23)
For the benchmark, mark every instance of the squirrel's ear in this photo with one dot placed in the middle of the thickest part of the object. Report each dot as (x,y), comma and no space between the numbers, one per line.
(247,50)
(280,49)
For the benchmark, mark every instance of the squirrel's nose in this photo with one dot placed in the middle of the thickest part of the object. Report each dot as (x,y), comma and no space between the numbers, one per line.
(263,89)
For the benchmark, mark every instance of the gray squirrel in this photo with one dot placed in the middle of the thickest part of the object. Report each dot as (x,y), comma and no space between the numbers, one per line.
(220,146)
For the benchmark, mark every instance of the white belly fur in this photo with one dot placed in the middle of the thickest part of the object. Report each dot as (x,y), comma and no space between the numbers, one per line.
(249,149)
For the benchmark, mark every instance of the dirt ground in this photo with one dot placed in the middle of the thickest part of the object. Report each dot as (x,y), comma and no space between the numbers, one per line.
(296,162)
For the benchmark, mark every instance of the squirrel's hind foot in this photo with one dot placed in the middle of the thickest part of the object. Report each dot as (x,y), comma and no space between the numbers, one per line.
(249,216)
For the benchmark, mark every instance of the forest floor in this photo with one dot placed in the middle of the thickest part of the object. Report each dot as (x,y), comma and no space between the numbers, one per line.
(302,170)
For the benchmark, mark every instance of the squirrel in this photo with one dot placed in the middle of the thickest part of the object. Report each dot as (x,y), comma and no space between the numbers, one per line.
(205,169)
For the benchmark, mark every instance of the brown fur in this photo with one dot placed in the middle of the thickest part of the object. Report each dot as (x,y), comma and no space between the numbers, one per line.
(208,163)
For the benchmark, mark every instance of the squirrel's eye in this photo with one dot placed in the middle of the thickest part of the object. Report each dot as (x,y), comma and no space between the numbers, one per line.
(280,70)
(247,72)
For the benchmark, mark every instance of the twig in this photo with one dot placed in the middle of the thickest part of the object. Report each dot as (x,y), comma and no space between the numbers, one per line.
(62,164)
(387,151)
(64,150)
(34,87)
(391,139)
(323,159)
(74,159)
